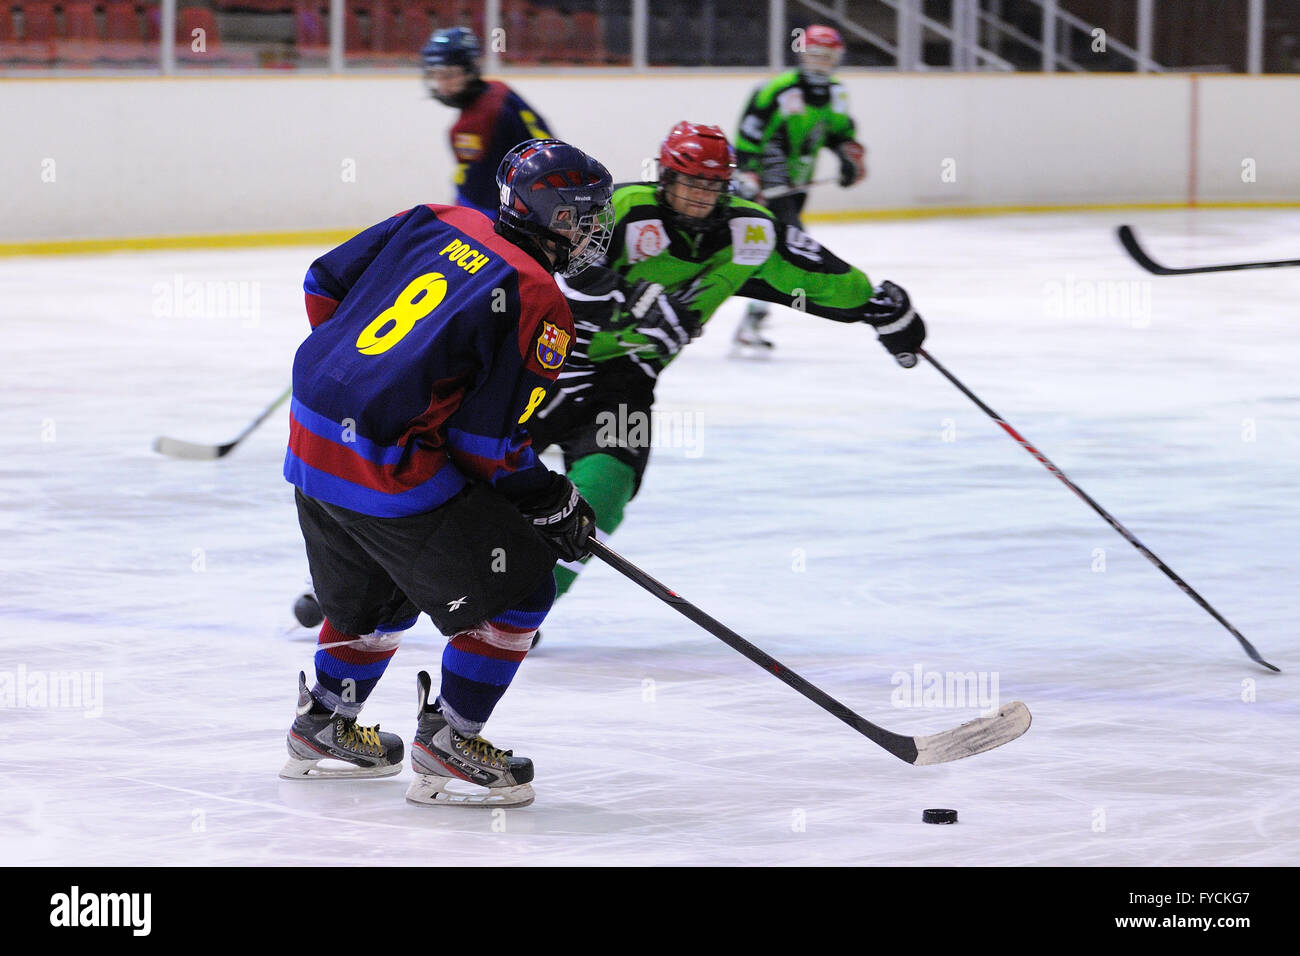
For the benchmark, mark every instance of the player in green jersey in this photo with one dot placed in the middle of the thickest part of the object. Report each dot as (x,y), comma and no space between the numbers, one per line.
(786,124)
(682,247)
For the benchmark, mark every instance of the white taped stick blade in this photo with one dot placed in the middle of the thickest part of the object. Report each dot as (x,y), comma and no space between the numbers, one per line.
(175,448)
(974,737)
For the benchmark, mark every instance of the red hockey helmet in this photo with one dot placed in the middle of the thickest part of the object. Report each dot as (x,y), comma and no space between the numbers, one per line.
(695,160)
(823,47)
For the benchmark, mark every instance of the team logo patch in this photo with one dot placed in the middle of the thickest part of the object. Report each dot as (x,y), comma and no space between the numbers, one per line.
(467,146)
(552,346)
(645,240)
(752,240)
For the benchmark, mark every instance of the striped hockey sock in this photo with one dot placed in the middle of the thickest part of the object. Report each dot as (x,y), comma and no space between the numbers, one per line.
(349,665)
(478,664)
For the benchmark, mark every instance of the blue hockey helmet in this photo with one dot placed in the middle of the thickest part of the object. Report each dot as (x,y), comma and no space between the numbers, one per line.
(559,197)
(454,46)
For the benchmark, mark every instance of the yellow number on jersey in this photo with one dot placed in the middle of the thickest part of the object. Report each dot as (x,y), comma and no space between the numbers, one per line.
(534,400)
(535,129)
(459,179)
(417,300)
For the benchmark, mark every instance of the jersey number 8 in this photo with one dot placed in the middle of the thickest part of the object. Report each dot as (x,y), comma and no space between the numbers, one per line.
(389,327)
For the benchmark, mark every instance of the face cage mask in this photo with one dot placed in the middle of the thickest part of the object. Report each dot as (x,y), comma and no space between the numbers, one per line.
(694,224)
(590,241)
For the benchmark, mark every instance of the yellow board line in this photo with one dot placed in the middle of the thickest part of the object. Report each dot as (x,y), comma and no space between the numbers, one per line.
(328,238)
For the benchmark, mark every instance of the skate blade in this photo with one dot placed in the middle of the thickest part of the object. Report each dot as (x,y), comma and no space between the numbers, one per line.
(334,770)
(427,790)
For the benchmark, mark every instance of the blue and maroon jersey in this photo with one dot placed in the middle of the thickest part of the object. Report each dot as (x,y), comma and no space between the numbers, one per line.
(487,129)
(433,342)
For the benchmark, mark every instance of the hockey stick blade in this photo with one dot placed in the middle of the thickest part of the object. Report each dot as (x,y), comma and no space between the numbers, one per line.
(175,448)
(193,451)
(1129,241)
(964,741)
(973,737)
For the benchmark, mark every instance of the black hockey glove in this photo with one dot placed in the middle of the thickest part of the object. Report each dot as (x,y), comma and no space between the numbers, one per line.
(561,516)
(853,163)
(662,319)
(900,329)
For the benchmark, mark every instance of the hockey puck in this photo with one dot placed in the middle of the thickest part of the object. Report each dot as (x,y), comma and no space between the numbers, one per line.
(938,816)
(307,610)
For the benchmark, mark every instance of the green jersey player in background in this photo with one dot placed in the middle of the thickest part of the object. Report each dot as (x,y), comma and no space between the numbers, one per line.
(786,124)
(681,247)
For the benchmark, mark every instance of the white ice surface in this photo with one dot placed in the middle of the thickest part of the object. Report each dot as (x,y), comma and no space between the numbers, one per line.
(1155,740)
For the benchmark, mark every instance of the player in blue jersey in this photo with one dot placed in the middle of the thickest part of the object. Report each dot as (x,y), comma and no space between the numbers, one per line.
(435,337)
(493,117)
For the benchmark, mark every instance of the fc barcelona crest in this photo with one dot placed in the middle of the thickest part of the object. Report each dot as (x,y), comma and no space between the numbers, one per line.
(552,346)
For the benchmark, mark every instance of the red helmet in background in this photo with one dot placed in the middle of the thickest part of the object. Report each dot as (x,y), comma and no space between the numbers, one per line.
(823,48)
(695,160)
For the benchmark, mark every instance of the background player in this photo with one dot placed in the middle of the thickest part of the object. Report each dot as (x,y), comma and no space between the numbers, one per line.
(493,118)
(681,247)
(417,489)
(786,123)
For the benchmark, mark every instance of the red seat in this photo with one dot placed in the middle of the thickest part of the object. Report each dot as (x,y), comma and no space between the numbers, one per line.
(36,46)
(587,41)
(523,45)
(80,44)
(79,21)
(189,19)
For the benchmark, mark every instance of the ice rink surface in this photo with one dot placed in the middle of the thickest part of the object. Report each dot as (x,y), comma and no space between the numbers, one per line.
(862,523)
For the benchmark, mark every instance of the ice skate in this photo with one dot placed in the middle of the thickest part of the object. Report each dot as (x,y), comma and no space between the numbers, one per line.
(749,335)
(454,770)
(318,735)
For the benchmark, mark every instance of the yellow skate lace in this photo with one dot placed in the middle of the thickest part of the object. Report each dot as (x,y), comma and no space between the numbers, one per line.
(479,749)
(356,737)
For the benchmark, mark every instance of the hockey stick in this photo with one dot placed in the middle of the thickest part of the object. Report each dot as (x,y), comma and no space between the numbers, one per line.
(1129,241)
(1124,532)
(176,448)
(789,190)
(970,738)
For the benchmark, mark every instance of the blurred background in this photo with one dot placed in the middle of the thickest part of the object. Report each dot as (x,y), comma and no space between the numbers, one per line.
(298,120)
(1236,36)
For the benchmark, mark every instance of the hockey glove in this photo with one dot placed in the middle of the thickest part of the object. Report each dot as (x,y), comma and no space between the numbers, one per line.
(748,185)
(661,318)
(561,516)
(900,329)
(853,163)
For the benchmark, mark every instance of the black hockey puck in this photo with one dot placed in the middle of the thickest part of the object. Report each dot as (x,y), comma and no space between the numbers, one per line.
(307,611)
(938,816)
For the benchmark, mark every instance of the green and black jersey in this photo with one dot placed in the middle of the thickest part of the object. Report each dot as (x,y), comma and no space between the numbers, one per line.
(786,123)
(747,253)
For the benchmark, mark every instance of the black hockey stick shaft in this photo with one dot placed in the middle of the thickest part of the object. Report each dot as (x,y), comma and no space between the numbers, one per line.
(1129,241)
(175,448)
(898,745)
(1110,519)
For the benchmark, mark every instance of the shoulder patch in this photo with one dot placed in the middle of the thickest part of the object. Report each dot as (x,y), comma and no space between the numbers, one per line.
(790,101)
(552,346)
(645,239)
(839,99)
(752,240)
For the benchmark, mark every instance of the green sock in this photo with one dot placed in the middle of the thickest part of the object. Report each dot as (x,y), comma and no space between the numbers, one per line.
(608,485)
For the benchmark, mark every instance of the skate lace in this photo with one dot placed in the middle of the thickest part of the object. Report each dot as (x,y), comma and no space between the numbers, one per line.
(479,749)
(355,737)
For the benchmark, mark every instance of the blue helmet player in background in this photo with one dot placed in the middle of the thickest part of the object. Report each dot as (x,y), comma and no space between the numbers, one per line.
(436,335)
(493,118)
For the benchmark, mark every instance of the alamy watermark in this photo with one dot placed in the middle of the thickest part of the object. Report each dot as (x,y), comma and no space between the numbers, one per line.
(923,688)
(1076,298)
(47,690)
(183,298)
(635,428)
